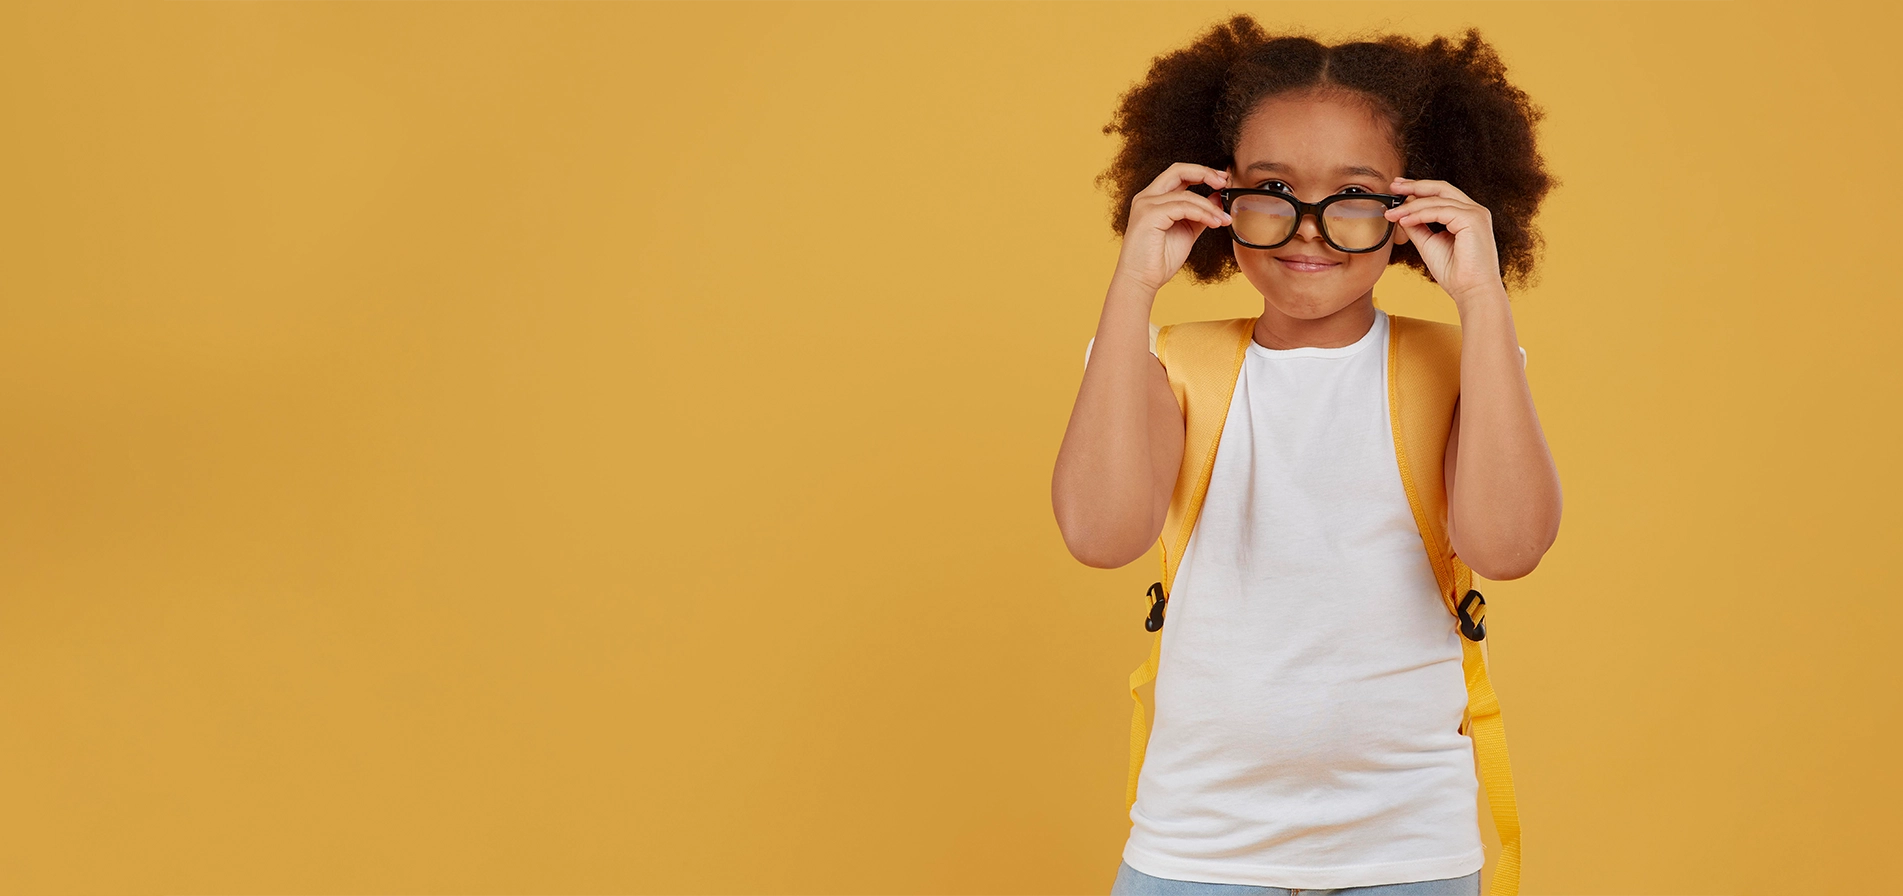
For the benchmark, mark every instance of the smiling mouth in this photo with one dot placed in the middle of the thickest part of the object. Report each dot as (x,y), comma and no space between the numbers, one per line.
(1307,266)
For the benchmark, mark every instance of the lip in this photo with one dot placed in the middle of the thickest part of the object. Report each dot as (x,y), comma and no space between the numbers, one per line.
(1307,263)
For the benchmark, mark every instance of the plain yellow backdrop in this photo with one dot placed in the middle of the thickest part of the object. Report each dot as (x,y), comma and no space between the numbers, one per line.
(606,447)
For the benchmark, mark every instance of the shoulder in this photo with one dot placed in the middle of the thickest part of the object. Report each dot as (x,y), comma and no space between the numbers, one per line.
(1203,337)
(1421,331)
(1440,341)
(1208,327)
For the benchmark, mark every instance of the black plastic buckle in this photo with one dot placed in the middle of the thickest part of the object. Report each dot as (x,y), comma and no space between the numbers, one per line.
(1157,600)
(1472,624)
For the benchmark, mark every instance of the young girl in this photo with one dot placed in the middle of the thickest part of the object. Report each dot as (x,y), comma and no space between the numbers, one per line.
(1310,688)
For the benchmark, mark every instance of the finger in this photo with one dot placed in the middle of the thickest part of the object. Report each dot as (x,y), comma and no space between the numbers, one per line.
(1430,202)
(1422,236)
(1212,199)
(1414,205)
(1427,187)
(1192,208)
(1455,217)
(1180,174)
(1209,204)
(1426,241)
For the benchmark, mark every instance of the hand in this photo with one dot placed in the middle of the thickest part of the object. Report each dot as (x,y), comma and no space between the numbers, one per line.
(1165,220)
(1464,259)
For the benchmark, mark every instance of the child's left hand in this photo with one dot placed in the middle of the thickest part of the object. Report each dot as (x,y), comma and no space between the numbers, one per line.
(1463,258)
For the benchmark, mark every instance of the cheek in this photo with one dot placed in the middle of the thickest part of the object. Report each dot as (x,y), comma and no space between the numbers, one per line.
(1369,268)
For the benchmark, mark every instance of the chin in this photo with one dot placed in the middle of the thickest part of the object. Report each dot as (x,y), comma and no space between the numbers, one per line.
(1310,310)
(1310,303)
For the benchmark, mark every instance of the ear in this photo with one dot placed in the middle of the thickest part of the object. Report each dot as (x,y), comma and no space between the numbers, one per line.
(1400,234)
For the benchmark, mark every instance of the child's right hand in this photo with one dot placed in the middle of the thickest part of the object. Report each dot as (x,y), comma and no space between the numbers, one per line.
(1165,220)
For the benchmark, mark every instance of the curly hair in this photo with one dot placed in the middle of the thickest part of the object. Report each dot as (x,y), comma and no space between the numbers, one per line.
(1451,113)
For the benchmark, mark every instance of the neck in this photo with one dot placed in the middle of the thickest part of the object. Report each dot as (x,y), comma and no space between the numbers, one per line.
(1276,330)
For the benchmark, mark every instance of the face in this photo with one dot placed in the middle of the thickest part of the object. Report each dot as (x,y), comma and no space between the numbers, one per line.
(1314,148)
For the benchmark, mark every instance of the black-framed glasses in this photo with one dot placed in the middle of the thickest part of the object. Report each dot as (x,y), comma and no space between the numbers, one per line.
(1350,222)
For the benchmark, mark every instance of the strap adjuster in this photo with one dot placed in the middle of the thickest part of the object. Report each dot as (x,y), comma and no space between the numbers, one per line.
(1157,600)
(1473,622)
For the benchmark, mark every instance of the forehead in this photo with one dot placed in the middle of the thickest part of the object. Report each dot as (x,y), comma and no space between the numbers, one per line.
(1315,137)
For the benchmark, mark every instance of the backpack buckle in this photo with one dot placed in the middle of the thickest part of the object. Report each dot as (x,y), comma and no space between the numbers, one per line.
(1472,622)
(1157,600)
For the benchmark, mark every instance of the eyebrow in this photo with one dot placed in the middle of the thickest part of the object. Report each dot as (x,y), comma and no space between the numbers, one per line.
(1362,170)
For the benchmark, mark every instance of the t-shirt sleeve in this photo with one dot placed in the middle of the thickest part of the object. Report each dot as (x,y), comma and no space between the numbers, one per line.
(1154,329)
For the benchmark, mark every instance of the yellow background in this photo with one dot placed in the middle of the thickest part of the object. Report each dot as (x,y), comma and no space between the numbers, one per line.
(606,448)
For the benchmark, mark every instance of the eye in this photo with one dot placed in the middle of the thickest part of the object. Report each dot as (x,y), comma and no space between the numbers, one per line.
(1274,185)
(1346,189)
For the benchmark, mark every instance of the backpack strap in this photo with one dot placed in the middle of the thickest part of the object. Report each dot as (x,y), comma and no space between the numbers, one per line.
(1423,387)
(1204,360)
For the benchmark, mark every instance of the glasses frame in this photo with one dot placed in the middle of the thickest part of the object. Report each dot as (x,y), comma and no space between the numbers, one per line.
(1229,195)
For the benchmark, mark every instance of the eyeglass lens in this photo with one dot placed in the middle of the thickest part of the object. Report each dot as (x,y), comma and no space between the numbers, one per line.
(1351,223)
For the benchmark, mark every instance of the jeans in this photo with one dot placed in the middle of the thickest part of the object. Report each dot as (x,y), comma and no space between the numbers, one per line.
(1131,882)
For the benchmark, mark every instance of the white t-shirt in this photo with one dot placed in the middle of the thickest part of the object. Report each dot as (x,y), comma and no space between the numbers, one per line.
(1310,689)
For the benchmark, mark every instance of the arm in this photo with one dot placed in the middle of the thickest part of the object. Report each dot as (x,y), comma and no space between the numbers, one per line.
(1503,492)
(1117,465)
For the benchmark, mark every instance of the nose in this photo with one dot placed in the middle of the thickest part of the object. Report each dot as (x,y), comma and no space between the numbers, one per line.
(1310,226)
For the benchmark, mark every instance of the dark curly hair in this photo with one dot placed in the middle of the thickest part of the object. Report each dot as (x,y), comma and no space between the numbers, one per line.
(1450,110)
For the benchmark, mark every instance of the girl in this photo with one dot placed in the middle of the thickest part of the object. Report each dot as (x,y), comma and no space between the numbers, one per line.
(1310,690)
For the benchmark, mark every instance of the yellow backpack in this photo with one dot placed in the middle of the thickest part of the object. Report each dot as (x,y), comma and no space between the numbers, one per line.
(1204,359)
